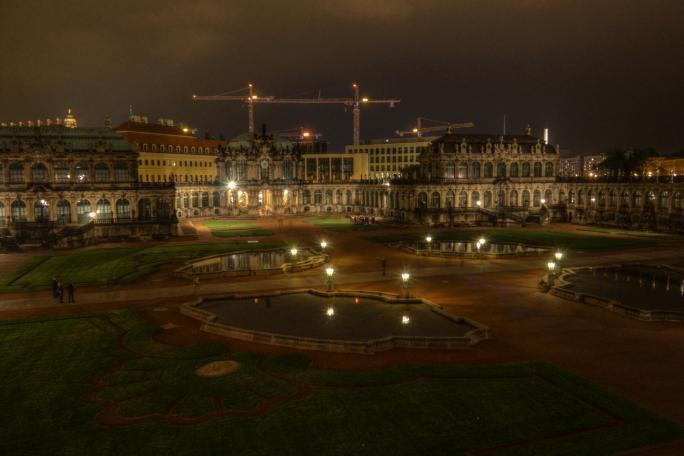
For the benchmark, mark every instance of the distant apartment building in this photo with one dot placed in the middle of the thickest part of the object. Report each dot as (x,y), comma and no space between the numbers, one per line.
(665,166)
(385,158)
(581,166)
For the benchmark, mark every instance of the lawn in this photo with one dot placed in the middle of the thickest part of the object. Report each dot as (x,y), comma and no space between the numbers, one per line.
(60,395)
(231,228)
(117,265)
(554,239)
(341,224)
(643,234)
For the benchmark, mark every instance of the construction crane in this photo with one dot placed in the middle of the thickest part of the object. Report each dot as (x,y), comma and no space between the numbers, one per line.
(418,130)
(251,98)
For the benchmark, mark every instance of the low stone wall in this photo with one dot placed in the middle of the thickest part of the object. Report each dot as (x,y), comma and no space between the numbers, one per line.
(479,333)
(560,289)
(441,254)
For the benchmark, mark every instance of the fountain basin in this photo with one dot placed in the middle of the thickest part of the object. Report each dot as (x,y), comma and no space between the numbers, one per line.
(446,248)
(646,292)
(359,322)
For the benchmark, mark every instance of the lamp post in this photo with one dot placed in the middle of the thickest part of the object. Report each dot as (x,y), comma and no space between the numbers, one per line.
(231,194)
(329,272)
(552,266)
(559,256)
(428,239)
(293,252)
(405,276)
(324,244)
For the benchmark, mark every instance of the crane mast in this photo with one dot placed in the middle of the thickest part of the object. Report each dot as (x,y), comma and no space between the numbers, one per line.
(251,98)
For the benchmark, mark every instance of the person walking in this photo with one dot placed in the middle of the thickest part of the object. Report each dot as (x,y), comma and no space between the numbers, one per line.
(60,292)
(55,286)
(70,293)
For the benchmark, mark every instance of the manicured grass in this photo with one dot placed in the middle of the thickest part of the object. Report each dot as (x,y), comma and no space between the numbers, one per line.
(341,224)
(231,228)
(117,265)
(285,406)
(643,234)
(554,239)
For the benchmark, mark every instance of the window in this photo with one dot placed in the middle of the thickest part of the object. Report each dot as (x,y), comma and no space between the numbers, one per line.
(144,209)
(123,209)
(205,199)
(104,209)
(513,170)
(61,172)
(195,199)
(83,211)
(488,170)
(16,171)
(63,211)
(476,169)
(101,172)
(487,199)
(449,169)
(501,169)
(41,211)
(422,200)
(435,199)
(121,171)
(475,198)
(449,200)
(18,211)
(526,169)
(318,197)
(526,198)
(462,199)
(39,173)
(537,169)
(548,169)
(513,198)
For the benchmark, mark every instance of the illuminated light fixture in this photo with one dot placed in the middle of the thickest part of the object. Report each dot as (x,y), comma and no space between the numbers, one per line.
(306,134)
(286,191)
(405,319)
(185,129)
(551,265)
(428,238)
(482,241)
(231,185)
(415,130)
(324,245)
(293,251)
(364,99)
(92,214)
(330,312)
(405,276)
(543,201)
(356,300)
(254,97)
(329,271)
(478,203)
(593,200)
(558,255)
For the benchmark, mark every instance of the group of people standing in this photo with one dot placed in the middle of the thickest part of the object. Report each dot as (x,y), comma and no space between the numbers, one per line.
(58,291)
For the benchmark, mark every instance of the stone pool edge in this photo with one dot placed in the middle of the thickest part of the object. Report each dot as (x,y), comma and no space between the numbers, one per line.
(372,346)
(559,289)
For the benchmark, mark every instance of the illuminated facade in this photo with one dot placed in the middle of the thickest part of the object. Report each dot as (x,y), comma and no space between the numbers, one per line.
(385,158)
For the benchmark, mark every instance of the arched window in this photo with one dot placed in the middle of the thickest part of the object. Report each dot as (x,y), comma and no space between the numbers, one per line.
(526,169)
(580,197)
(338,197)
(41,211)
(501,198)
(488,170)
(63,211)
(449,200)
(39,174)
(463,170)
(449,169)
(513,170)
(537,169)
(513,198)
(123,209)
(536,198)
(81,171)
(103,209)
(650,198)
(422,200)
(101,172)
(61,172)
(328,197)
(195,199)
(487,199)
(476,169)
(306,197)
(2,211)
(216,197)
(205,199)
(163,209)
(548,169)
(571,197)
(18,211)
(612,198)
(83,211)
(475,198)
(16,171)
(349,197)
(501,169)
(186,200)
(121,171)
(624,198)
(318,197)
(636,199)
(462,199)
(145,209)
(435,199)
(601,198)
(676,200)
(548,196)
(526,198)
(561,197)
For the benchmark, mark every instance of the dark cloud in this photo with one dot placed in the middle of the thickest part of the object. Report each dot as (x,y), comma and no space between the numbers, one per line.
(598,73)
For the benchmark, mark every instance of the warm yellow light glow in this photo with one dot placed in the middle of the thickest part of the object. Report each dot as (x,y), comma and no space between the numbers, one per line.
(405,276)
(92,214)
(415,130)
(185,129)
(254,97)
(306,134)
(428,238)
(324,244)
(558,255)
(364,99)
(482,241)
(293,251)
(479,203)
(286,191)
(231,185)
(543,201)
(551,265)
(330,312)
(405,319)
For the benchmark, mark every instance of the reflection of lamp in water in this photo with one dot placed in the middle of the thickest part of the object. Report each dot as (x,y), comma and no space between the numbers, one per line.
(356,300)
(405,319)
(329,272)
(405,276)
(330,312)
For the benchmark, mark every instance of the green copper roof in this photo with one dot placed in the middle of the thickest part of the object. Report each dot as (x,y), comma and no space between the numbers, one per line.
(73,139)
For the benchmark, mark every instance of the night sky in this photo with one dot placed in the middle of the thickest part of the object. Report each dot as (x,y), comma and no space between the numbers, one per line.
(598,73)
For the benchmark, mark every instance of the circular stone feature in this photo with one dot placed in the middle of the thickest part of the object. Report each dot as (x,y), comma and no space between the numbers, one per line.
(218,368)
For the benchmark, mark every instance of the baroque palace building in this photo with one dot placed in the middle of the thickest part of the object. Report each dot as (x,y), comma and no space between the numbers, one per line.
(67,186)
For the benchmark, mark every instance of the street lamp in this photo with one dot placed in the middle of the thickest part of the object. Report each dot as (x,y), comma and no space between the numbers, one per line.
(405,319)
(231,185)
(558,255)
(405,276)
(293,251)
(428,239)
(329,272)
(330,312)
(323,245)
(551,265)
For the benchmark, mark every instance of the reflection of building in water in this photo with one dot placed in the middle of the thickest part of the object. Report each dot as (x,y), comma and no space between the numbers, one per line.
(243,261)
